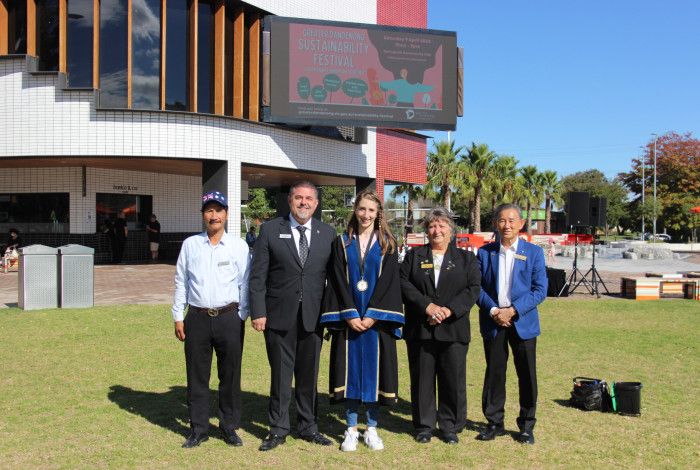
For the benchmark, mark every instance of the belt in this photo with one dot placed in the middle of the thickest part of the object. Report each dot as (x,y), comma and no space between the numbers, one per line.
(215,312)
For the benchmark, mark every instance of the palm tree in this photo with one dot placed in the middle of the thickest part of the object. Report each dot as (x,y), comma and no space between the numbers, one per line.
(412,193)
(502,179)
(479,160)
(532,190)
(552,195)
(445,170)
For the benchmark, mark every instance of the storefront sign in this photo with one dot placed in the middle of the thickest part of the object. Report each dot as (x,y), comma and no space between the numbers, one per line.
(125,188)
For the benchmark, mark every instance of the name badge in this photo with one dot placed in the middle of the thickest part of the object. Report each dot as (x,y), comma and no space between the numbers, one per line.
(426,265)
(223,263)
(522,257)
(285,235)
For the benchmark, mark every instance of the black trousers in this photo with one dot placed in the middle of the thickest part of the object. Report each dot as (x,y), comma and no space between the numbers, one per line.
(293,353)
(118,245)
(493,398)
(445,361)
(223,334)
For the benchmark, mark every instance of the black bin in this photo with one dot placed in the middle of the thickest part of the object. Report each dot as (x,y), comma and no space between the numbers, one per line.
(628,396)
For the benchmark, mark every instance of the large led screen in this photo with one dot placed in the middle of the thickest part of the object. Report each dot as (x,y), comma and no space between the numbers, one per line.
(329,73)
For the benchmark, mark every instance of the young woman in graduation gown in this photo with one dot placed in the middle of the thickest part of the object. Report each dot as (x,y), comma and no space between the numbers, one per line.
(363,313)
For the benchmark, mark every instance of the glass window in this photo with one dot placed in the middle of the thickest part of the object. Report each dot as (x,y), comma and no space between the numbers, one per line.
(113,53)
(205,57)
(137,209)
(47,34)
(177,37)
(145,44)
(35,212)
(17,27)
(79,45)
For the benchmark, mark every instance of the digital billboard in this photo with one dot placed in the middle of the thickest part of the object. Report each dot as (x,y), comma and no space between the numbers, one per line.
(329,73)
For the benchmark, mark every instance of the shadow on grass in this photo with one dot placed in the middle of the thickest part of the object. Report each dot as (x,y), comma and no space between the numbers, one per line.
(169,409)
(392,419)
(565,403)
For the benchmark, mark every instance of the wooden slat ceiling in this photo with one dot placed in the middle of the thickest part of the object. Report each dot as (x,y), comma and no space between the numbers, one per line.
(265,177)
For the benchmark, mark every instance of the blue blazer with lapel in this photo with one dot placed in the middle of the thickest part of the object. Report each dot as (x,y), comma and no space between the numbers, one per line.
(529,288)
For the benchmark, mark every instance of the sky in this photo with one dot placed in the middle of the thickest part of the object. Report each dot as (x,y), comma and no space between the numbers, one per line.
(574,85)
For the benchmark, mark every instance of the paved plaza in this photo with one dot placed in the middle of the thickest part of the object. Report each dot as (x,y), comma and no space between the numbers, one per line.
(153,283)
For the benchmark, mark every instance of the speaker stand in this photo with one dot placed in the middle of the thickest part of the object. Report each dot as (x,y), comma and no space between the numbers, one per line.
(595,276)
(575,273)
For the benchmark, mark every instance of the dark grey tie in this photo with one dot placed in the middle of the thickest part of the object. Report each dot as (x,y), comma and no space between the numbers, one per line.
(303,244)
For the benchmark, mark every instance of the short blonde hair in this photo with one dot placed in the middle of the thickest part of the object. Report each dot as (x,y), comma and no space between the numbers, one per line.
(439,213)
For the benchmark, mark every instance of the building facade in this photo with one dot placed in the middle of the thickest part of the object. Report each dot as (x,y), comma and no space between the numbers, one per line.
(138,106)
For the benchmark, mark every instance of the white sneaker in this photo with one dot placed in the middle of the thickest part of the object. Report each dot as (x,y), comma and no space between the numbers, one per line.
(372,439)
(352,436)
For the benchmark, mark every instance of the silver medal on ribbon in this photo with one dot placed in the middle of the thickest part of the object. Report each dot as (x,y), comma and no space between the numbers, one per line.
(362,285)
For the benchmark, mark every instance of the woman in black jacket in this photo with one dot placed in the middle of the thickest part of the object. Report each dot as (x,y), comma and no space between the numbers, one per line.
(439,283)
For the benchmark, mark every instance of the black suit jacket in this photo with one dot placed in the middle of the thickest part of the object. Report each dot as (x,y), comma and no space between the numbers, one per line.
(458,289)
(277,277)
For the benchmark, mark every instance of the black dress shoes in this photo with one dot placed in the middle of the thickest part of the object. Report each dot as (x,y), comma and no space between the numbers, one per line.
(317,438)
(423,437)
(449,437)
(525,437)
(231,437)
(193,440)
(272,441)
(490,433)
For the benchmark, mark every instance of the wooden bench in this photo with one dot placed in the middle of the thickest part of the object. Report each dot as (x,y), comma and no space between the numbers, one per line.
(654,288)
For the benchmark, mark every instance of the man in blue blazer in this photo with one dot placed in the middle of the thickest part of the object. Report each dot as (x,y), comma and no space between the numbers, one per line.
(513,283)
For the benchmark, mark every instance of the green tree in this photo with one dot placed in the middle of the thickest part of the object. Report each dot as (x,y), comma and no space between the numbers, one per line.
(532,190)
(502,180)
(260,205)
(445,170)
(552,195)
(479,160)
(333,199)
(595,183)
(678,181)
(413,193)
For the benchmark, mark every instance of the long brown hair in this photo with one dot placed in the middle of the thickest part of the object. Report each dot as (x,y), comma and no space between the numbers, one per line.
(386,239)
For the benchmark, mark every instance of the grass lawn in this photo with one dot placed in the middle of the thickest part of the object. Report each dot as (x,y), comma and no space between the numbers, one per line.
(105,387)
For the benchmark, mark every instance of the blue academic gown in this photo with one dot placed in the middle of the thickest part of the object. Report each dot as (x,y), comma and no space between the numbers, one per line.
(363,365)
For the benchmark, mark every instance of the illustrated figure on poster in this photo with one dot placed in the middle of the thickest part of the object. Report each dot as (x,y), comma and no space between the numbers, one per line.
(405,90)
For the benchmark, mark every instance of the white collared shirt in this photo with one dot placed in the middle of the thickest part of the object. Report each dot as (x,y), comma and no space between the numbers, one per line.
(211,276)
(438,259)
(295,232)
(506,261)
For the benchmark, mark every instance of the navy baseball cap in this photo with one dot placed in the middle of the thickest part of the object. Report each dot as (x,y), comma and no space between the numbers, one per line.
(214,196)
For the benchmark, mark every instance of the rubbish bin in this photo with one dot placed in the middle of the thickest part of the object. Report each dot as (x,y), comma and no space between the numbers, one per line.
(37,277)
(76,266)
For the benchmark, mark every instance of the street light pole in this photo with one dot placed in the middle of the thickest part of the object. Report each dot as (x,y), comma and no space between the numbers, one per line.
(655,136)
(405,219)
(644,164)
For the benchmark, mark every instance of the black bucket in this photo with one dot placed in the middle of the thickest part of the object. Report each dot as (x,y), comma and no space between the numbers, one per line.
(628,397)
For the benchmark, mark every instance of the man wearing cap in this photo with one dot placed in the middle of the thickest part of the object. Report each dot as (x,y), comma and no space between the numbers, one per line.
(287,279)
(211,278)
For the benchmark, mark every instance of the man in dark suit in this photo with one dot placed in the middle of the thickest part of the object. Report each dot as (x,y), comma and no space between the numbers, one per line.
(287,280)
(513,283)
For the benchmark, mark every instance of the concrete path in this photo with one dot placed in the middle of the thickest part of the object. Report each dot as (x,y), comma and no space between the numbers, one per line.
(153,283)
(114,284)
